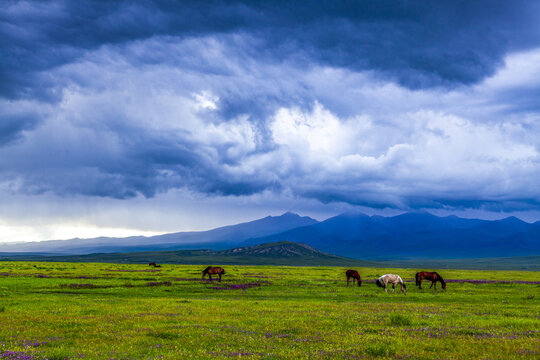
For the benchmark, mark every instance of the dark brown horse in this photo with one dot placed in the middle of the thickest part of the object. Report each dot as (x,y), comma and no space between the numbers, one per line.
(433,276)
(353,274)
(213,270)
(152,264)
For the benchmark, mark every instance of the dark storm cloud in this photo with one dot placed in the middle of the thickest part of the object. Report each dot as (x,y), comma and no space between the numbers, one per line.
(121,161)
(315,99)
(417,43)
(12,125)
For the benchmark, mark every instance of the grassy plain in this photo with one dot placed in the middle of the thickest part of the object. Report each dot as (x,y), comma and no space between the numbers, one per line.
(112,311)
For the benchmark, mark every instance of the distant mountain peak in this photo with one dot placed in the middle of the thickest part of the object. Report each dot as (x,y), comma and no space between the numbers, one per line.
(353,214)
(418,214)
(512,219)
(285,215)
(289,214)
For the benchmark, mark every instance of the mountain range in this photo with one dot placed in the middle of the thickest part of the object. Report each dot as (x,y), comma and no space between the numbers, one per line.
(356,235)
(220,238)
(415,235)
(281,253)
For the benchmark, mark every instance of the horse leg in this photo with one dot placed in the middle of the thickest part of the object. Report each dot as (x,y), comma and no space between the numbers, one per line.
(393,287)
(210,276)
(420,284)
(432,282)
(219,277)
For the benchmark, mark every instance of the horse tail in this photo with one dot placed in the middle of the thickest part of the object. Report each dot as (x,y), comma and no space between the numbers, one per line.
(417,280)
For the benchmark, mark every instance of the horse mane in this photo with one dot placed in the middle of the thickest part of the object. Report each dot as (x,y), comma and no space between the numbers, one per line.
(206,270)
(379,284)
(440,278)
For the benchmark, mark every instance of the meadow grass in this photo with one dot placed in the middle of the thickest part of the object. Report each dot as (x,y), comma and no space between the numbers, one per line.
(109,311)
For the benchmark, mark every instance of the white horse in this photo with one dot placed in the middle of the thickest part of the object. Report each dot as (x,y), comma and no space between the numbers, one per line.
(392,279)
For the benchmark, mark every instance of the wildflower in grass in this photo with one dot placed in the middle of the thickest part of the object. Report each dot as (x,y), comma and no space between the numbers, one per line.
(18,355)
(528,352)
(236,286)
(79,286)
(29,343)
(188,279)
(483,281)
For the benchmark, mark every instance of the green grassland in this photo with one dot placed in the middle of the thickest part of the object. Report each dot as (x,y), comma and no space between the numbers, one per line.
(58,310)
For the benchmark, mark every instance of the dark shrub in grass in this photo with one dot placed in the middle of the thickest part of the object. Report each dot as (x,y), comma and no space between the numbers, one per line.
(159,283)
(379,350)
(400,320)
(78,286)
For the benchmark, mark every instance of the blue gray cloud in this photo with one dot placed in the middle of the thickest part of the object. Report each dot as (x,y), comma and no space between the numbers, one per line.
(416,43)
(411,104)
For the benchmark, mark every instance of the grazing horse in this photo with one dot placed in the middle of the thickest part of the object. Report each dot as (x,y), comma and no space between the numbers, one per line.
(433,276)
(152,264)
(353,274)
(213,270)
(392,279)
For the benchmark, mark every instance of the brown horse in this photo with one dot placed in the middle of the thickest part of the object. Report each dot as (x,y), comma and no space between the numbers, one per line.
(213,270)
(353,274)
(152,264)
(433,276)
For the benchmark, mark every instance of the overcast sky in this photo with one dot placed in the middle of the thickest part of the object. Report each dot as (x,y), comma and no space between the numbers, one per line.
(142,117)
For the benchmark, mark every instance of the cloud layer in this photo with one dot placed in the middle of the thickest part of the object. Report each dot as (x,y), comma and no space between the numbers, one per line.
(379,104)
